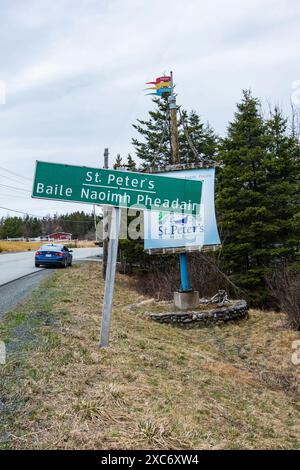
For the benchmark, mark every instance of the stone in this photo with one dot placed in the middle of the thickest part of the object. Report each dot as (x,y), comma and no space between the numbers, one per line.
(186,300)
(237,310)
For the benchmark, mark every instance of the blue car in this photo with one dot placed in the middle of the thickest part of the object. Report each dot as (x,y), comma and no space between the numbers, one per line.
(53,255)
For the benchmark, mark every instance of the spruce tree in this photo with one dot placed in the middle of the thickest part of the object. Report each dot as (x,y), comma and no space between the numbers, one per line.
(245,219)
(282,167)
(155,146)
(202,137)
(118,163)
(131,164)
(12,227)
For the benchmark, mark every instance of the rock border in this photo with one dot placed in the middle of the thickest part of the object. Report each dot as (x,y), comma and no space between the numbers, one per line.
(192,319)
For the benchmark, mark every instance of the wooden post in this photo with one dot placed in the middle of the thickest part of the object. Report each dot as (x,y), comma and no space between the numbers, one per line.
(110,275)
(173,123)
(184,273)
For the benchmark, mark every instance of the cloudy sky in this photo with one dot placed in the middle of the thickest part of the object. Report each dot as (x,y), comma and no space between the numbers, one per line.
(74,72)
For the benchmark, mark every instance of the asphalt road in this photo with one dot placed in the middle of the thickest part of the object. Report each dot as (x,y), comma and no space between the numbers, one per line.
(19,276)
(16,265)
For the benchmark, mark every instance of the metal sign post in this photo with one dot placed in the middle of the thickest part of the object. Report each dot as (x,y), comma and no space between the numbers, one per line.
(110,275)
(105,223)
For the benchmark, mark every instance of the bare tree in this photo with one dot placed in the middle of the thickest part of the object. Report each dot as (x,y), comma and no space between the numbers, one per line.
(284,285)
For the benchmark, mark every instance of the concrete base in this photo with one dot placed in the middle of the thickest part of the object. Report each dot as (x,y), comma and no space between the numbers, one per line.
(186,300)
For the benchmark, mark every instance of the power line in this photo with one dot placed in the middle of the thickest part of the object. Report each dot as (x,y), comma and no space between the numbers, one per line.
(16,196)
(21,212)
(15,174)
(13,179)
(14,188)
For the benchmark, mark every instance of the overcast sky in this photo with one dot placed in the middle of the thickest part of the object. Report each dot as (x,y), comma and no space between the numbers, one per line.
(75,70)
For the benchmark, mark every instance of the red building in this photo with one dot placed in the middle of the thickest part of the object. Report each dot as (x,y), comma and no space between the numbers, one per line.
(59,236)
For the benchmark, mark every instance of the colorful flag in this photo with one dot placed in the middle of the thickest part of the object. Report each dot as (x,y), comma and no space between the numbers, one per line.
(161,85)
(165,78)
(161,91)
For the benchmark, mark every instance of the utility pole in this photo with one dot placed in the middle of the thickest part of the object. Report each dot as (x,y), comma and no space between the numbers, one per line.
(173,122)
(184,273)
(105,223)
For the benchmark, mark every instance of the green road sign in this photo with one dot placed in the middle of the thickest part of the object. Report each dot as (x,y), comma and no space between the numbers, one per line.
(116,188)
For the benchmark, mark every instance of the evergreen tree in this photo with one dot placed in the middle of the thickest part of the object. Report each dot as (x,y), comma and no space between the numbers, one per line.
(31,227)
(35,227)
(202,137)
(118,163)
(245,219)
(258,196)
(282,166)
(12,227)
(155,148)
(78,223)
(131,164)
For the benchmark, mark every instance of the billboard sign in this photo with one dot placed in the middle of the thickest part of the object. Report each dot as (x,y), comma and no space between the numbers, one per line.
(184,232)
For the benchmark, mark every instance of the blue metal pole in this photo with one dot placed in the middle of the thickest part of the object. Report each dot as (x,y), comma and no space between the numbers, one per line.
(184,273)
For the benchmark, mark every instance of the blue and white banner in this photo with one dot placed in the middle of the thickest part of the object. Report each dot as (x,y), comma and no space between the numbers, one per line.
(165,230)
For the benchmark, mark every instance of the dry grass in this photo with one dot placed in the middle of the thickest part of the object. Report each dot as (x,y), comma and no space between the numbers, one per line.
(10,247)
(156,387)
(81,244)
(18,246)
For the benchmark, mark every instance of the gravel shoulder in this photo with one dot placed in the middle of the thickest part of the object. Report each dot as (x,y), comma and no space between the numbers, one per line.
(13,292)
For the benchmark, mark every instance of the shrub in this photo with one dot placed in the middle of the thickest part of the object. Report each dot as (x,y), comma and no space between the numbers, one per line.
(163,278)
(284,285)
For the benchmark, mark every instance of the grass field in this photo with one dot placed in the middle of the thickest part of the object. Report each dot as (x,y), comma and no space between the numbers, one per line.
(156,387)
(11,247)
(6,246)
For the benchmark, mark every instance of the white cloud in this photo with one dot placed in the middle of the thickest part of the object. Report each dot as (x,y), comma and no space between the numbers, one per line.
(75,69)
